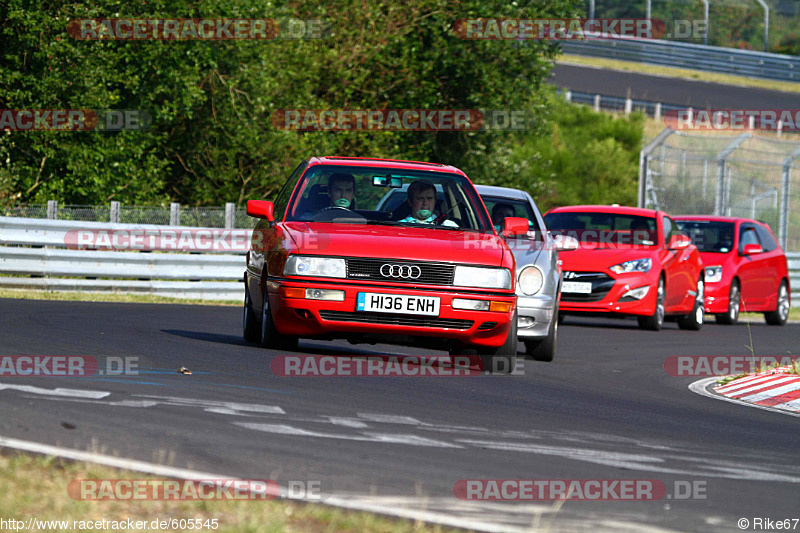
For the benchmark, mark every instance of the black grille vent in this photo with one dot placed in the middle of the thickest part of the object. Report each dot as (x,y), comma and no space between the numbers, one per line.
(400,320)
(601,285)
(430,273)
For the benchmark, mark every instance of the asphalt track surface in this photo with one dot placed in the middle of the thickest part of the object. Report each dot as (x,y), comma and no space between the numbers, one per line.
(677,91)
(604,409)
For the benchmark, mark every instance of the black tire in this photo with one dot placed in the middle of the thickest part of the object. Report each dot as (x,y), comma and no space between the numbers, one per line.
(655,321)
(251,326)
(502,360)
(780,315)
(545,349)
(734,304)
(694,320)
(270,337)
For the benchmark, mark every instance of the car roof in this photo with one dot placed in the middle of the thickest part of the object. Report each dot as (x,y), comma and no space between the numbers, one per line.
(613,209)
(503,192)
(385,163)
(716,218)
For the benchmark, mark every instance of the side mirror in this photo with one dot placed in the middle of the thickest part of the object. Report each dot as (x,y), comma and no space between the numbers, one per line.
(678,242)
(260,209)
(750,249)
(565,243)
(515,227)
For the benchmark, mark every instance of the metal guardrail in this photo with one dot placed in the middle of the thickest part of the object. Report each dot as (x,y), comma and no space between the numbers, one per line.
(794,277)
(34,255)
(693,56)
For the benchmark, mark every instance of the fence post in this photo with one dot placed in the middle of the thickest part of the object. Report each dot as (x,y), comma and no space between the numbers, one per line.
(174,214)
(52,209)
(230,215)
(783,214)
(719,204)
(113,215)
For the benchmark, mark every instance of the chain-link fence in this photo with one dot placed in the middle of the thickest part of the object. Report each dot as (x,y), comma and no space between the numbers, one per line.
(229,216)
(732,175)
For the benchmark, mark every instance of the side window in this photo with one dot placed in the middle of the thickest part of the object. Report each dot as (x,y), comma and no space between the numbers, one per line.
(282,201)
(766,238)
(747,235)
(670,229)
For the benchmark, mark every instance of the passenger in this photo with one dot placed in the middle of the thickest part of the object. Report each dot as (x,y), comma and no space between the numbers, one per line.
(422,199)
(499,213)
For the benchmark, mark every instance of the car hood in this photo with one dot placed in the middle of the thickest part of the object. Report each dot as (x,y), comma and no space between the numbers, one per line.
(714,258)
(599,259)
(398,242)
(526,252)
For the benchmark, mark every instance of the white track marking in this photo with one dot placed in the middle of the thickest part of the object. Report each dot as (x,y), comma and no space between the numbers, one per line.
(699,387)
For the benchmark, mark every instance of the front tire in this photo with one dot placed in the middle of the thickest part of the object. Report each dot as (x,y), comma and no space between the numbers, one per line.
(503,360)
(780,315)
(731,317)
(694,320)
(545,349)
(655,321)
(270,337)
(250,326)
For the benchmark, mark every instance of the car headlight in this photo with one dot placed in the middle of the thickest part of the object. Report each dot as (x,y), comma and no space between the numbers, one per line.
(637,265)
(714,274)
(483,277)
(531,280)
(311,265)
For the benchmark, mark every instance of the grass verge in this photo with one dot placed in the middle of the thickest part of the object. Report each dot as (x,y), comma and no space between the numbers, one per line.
(685,73)
(107,297)
(36,487)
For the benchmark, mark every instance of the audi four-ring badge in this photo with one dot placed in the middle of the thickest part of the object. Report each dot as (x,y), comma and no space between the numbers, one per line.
(382,251)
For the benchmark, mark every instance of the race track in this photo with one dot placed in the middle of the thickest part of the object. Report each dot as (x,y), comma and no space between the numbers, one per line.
(604,409)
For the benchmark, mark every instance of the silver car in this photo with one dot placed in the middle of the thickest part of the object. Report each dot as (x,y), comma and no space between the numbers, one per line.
(538,270)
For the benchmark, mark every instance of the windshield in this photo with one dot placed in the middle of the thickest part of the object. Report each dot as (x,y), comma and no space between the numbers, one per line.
(376,195)
(604,228)
(709,236)
(500,208)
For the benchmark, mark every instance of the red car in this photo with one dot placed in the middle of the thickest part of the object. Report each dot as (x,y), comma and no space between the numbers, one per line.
(331,258)
(745,267)
(629,261)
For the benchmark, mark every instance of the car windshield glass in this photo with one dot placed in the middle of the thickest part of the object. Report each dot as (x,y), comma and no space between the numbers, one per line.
(375,195)
(611,228)
(500,207)
(709,235)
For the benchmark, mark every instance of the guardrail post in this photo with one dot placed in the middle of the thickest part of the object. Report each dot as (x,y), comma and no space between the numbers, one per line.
(628,106)
(52,209)
(230,215)
(657,112)
(113,214)
(597,102)
(568,96)
(174,214)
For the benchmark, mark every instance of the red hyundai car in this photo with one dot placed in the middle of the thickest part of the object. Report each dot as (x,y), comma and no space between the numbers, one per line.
(331,258)
(746,268)
(630,261)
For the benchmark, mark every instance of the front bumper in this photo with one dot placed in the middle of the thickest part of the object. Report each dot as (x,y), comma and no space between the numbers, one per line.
(717,296)
(607,295)
(322,318)
(534,316)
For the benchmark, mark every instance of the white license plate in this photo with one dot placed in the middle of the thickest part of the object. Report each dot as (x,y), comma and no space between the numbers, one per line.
(580,287)
(398,303)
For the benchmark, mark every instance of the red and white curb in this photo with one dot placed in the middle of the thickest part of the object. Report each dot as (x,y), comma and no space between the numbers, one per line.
(774,390)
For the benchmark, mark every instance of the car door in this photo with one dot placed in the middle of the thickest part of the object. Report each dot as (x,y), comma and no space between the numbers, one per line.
(771,262)
(676,268)
(754,280)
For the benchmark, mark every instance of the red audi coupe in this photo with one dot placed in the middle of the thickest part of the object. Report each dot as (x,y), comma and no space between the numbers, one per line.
(746,268)
(629,261)
(332,258)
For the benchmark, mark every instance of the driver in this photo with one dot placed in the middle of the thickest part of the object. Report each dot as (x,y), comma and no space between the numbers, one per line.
(499,214)
(341,190)
(422,199)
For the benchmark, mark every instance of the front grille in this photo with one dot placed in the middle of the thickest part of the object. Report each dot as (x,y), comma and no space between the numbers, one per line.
(430,273)
(487,325)
(601,285)
(396,319)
